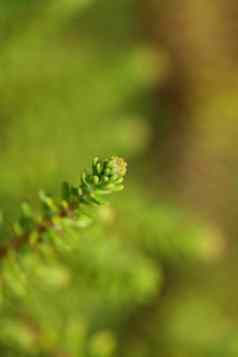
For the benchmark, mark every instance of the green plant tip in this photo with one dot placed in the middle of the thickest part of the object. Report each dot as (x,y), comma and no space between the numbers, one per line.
(118,166)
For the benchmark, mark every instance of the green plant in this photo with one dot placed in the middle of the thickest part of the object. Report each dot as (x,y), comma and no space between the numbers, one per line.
(106,176)
(68,291)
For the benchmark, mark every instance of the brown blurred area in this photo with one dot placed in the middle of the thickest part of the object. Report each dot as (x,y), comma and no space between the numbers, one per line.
(198,151)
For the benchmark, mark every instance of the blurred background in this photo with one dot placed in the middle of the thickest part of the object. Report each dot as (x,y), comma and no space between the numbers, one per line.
(157,83)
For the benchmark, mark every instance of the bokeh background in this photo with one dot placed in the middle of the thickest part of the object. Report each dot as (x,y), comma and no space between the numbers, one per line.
(157,83)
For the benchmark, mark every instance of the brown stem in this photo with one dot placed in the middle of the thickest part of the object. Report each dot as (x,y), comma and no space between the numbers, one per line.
(18,242)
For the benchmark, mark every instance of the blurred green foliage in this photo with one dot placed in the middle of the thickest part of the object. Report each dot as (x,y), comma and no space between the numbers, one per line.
(76,82)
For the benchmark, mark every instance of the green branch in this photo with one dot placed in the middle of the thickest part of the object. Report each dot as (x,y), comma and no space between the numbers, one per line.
(105,177)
